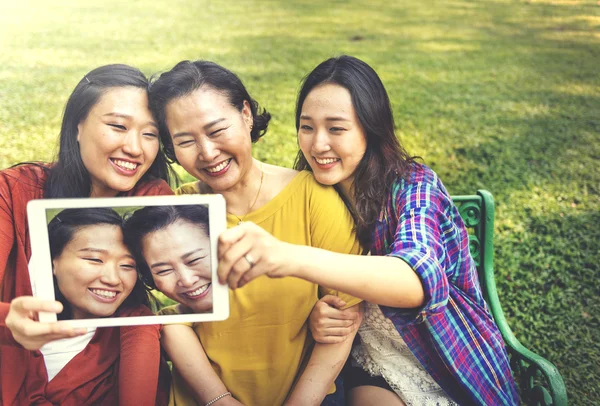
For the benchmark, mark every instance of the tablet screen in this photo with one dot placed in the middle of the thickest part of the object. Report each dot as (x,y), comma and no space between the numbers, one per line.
(106,258)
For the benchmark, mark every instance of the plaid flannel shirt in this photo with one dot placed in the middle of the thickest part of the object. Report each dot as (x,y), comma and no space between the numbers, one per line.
(452,334)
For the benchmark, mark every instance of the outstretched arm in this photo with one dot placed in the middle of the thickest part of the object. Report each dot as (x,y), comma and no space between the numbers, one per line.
(383,280)
(188,356)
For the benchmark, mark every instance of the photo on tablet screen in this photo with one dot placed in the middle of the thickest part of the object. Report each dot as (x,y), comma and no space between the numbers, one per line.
(129,260)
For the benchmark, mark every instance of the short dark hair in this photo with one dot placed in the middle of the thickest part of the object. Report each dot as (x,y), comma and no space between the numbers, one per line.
(154,218)
(385,158)
(187,77)
(63,228)
(69,177)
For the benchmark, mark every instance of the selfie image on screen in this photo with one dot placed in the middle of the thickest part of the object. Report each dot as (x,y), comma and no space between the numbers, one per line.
(106,261)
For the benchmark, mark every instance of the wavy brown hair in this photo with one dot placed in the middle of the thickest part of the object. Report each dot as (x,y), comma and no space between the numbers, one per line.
(385,159)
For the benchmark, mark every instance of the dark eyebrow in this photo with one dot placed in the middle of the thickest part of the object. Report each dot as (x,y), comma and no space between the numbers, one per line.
(334,118)
(159,264)
(128,117)
(101,251)
(184,256)
(89,249)
(182,134)
(189,254)
(217,121)
(205,127)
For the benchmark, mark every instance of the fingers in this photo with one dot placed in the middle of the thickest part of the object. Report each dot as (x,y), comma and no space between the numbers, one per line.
(240,255)
(326,323)
(31,334)
(34,304)
(228,238)
(233,264)
(330,339)
(230,257)
(338,331)
(252,273)
(333,301)
(242,272)
(332,313)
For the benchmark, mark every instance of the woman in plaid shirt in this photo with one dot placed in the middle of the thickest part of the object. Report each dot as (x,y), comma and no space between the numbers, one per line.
(427,337)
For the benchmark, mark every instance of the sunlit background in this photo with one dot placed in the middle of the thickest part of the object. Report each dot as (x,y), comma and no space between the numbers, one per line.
(495,94)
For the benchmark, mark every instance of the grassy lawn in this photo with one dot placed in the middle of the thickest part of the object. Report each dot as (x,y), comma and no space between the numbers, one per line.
(495,94)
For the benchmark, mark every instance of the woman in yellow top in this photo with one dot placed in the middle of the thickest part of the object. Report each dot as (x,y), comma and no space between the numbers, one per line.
(208,123)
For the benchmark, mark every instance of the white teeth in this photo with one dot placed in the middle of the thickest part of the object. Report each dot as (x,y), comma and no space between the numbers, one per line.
(104,293)
(325,161)
(125,165)
(219,167)
(198,291)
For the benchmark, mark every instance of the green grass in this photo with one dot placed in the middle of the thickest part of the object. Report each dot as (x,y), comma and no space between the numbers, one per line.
(502,95)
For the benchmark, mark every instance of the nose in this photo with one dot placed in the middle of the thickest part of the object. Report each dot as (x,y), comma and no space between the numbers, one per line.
(321,142)
(110,275)
(208,151)
(132,144)
(187,277)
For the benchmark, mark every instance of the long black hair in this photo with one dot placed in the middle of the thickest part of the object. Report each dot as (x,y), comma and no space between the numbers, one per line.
(385,158)
(187,77)
(68,176)
(62,229)
(154,218)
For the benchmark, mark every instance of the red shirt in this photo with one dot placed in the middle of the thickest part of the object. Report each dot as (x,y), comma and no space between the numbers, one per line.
(94,375)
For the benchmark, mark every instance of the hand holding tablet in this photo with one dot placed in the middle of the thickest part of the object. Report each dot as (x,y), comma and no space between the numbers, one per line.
(101,256)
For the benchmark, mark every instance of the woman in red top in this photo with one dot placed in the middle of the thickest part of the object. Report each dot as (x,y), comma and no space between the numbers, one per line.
(109,146)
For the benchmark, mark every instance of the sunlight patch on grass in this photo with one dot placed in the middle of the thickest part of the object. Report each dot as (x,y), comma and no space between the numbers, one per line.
(447,47)
(560,2)
(578,89)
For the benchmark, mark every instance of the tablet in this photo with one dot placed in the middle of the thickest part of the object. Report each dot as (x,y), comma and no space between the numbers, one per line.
(102,257)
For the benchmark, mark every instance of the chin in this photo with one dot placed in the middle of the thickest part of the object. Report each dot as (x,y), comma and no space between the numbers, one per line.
(121,187)
(326,180)
(202,309)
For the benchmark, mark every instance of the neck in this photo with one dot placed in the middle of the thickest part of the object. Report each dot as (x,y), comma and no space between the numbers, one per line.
(347,188)
(241,197)
(102,192)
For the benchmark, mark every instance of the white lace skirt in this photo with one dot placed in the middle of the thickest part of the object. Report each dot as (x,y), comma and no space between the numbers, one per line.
(383,352)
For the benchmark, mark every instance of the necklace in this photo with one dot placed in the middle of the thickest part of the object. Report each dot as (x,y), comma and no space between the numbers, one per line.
(241,219)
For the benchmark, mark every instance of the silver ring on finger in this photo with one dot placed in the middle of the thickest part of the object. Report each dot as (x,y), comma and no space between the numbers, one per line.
(248,259)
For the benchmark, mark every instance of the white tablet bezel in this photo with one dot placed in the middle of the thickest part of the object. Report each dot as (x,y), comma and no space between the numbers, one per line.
(41,264)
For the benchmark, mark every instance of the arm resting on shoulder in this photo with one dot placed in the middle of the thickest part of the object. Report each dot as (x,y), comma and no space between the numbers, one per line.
(324,365)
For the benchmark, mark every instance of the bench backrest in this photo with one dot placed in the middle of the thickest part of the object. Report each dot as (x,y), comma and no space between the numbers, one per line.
(538,379)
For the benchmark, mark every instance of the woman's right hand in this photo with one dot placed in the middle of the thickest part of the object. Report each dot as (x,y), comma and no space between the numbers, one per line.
(32,334)
(329,324)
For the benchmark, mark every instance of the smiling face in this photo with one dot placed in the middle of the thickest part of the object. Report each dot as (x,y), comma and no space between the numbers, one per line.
(211,138)
(118,140)
(179,259)
(95,271)
(330,135)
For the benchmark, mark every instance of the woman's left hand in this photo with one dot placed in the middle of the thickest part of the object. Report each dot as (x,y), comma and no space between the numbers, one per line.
(28,331)
(247,251)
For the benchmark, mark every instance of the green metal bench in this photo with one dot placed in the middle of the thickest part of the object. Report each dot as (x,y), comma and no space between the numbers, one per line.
(538,379)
